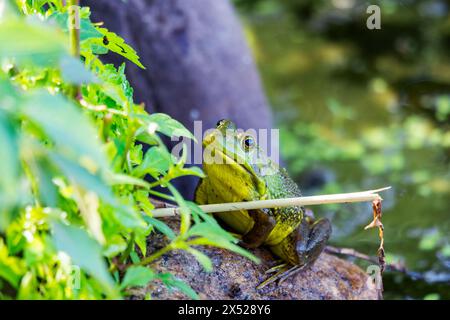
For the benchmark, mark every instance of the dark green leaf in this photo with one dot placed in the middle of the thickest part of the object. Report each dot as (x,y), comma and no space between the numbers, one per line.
(137,276)
(160,226)
(84,178)
(48,191)
(84,251)
(204,260)
(169,280)
(11,268)
(66,125)
(157,160)
(168,126)
(9,151)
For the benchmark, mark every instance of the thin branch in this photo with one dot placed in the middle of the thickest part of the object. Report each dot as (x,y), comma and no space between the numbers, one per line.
(356,254)
(101,108)
(362,196)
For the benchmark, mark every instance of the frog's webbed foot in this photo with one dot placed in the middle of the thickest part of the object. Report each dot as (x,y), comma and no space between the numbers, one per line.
(276,267)
(283,271)
(308,242)
(311,239)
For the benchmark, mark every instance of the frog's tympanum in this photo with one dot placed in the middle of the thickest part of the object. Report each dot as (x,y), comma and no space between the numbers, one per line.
(238,170)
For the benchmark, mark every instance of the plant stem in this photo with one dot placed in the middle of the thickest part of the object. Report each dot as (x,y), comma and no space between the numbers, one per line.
(156,255)
(362,196)
(74,30)
(74,38)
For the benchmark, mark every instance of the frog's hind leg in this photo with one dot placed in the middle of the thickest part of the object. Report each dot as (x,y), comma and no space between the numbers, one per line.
(311,239)
(263,225)
(305,246)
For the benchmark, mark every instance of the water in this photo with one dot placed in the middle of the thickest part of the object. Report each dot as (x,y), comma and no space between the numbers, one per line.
(343,130)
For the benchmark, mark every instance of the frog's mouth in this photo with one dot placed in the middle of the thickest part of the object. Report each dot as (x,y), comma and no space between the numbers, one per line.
(234,163)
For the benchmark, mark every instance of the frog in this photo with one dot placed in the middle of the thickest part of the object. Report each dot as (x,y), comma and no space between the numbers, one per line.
(237,169)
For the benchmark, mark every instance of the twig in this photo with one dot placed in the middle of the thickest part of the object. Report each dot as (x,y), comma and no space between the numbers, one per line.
(376,223)
(362,196)
(356,254)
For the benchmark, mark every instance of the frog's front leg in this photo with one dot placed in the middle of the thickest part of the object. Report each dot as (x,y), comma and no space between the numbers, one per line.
(263,225)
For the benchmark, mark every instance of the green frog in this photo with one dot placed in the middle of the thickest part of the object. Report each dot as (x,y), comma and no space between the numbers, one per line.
(238,170)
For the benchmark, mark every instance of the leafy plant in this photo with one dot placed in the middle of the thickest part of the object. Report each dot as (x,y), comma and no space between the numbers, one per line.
(74,203)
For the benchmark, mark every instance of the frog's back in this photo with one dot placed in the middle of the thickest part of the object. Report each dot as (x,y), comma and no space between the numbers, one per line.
(280,185)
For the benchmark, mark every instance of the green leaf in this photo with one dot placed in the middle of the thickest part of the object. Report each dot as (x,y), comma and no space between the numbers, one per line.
(48,192)
(116,44)
(73,71)
(169,280)
(142,135)
(211,237)
(11,268)
(168,126)
(193,171)
(128,217)
(123,179)
(67,126)
(115,245)
(137,276)
(83,177)
(140,238)
(9,96)
(177,171)
(87,29)
(204,260)
(161,226)
(32,42)
(135,257)
(9,151)
(9,171)
(84,251)
(212,224)
(157,160)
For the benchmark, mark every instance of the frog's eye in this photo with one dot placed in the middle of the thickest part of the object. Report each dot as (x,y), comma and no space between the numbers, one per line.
(248,143)
(220,122)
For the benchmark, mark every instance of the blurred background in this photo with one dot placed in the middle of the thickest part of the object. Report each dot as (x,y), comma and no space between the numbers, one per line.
(359,109)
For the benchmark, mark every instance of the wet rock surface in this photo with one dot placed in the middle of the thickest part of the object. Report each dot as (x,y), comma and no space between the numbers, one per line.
(235,277)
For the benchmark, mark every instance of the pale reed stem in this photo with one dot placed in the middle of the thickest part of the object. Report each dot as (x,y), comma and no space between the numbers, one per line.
(362,196)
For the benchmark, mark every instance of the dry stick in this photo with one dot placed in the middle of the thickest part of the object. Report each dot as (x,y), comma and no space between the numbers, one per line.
(376,223)
(400,267)
(362,196)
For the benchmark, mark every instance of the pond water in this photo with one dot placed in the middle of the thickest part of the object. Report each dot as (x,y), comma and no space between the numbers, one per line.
(345,129)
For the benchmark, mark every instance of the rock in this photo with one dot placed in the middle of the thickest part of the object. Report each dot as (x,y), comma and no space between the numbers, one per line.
(236,277)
